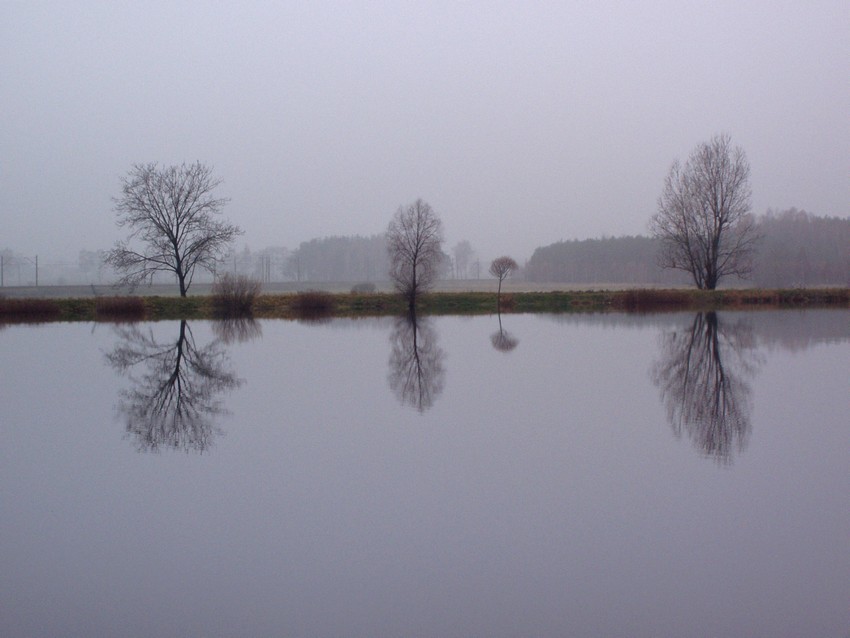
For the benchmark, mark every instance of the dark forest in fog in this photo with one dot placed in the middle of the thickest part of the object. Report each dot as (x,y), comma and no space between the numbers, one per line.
(797,249)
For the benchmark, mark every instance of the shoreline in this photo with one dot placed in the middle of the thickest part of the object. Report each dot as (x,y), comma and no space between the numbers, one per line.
(319,304)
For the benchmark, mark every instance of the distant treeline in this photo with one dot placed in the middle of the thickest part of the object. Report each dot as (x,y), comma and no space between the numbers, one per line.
(802,249)
(797,249)
(340,259)
(627,260)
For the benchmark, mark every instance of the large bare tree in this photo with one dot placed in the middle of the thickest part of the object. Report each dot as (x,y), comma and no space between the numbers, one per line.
(171,213)
(703,220)
(414,245)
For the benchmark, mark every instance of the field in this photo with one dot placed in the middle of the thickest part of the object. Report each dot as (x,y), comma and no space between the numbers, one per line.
(201,289)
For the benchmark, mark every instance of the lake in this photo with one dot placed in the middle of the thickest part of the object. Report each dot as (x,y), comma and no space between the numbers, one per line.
(549,475)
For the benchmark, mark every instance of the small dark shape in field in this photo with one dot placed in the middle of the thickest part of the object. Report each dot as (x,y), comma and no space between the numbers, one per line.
(829,296)
(313,305)
(234,295)
(363,288)
(121,308)
(12,310)
(642,300)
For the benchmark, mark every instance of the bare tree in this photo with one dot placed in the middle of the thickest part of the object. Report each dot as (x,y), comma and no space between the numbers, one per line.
(703,219)
(414,245)
(171,212)
(502,267)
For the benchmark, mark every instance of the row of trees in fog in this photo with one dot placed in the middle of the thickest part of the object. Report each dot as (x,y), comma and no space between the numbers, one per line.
(174,224)
(795,248)
(351,258)
(338,259)
(702,232)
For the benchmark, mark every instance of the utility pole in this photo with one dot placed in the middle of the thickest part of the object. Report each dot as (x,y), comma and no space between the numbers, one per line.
(36,271)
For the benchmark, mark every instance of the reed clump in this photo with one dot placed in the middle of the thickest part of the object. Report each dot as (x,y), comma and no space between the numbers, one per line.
(790,297)
(119,308)
(29,310)
(648,300)
(234,295)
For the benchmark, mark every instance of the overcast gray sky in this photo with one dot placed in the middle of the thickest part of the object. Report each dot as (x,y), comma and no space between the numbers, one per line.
(521,123)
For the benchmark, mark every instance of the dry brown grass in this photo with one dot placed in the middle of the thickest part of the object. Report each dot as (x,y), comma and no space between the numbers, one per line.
(506,302)
(119,308)
(26,310)
(647,300)
(313,305)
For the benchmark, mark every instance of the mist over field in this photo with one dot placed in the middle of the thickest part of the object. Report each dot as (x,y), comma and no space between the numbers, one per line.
(522,125)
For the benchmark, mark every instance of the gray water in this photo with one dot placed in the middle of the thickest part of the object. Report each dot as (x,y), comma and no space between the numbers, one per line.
(668,475)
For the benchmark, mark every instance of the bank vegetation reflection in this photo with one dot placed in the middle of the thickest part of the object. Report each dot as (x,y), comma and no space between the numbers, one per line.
(416,373)
(703,374)
(176,386)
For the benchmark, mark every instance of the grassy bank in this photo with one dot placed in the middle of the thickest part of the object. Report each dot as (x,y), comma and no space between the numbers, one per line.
(322,304)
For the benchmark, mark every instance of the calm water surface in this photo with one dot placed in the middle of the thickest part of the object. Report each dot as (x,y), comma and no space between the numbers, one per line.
(669,475)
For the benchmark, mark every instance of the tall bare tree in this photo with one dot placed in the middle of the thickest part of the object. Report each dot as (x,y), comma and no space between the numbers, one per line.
(171,213)
(414,245)
(703,218)
(502,267)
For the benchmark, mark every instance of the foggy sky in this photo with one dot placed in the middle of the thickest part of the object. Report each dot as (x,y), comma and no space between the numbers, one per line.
(520,123)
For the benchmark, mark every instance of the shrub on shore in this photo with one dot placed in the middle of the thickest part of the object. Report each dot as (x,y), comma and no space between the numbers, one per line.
(234,295)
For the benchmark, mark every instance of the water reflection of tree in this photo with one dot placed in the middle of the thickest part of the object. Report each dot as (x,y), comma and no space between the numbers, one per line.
(174,400)
(702,375)
(502,340)
(237,329)
(416,373)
